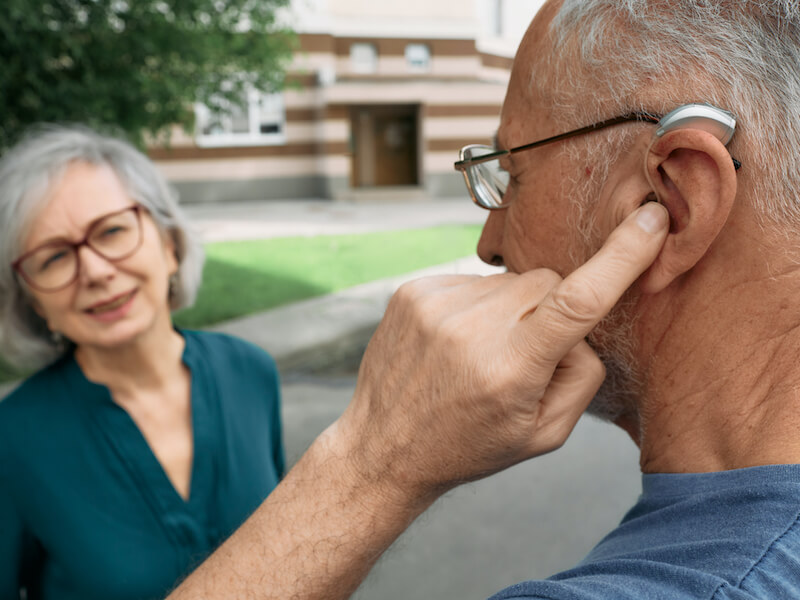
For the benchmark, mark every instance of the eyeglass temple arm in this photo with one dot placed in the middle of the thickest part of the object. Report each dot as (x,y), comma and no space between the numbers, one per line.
(634,116)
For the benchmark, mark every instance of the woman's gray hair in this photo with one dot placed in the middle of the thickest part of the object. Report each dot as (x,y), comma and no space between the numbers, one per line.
(28,171)
(615,56)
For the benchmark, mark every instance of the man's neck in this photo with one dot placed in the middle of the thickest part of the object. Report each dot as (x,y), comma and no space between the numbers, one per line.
(723,379)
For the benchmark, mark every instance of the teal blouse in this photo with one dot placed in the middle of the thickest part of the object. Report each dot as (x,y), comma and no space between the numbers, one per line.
(86,510)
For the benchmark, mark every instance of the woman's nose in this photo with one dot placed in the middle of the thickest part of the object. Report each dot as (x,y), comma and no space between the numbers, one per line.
(93,266)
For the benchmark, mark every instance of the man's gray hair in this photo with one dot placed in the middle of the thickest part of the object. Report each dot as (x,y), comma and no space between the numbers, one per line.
(615,56)
(28,171)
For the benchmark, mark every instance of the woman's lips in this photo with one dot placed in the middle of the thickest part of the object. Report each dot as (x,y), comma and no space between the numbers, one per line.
(112,305)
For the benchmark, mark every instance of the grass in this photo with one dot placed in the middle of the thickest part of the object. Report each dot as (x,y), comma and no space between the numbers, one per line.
(241,278)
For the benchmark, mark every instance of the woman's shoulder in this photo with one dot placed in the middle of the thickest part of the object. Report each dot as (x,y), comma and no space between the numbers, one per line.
(43,388)
(227,351)
(36,402)
(237,368)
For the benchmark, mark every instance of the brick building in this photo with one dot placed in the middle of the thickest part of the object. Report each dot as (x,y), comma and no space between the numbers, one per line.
(382,96)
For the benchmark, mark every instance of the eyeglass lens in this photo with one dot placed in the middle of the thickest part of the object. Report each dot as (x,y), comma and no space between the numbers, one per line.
(55,265)
(488,181)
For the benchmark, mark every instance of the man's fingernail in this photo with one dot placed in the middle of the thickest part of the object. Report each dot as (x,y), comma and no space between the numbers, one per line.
(652,217)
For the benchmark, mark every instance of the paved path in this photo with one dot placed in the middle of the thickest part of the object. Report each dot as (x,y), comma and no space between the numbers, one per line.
(329,331)
(528,522)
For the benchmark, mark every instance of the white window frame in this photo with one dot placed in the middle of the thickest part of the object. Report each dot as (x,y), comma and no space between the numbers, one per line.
(363,58)
(413,63)
(253,136)
(496,18)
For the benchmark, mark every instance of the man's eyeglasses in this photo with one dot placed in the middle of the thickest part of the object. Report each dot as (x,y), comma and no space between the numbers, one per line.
(486,179)
(55,265)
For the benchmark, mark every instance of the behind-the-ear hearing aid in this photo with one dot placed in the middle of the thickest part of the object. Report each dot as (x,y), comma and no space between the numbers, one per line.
(720,123)
(716,121)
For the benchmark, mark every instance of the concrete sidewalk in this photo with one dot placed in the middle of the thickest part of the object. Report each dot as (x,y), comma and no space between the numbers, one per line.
(329,332)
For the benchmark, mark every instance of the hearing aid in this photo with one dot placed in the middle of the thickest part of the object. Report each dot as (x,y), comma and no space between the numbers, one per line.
(719,123)
(705,117)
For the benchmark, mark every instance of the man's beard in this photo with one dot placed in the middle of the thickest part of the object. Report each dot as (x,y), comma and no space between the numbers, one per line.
(613,338)
(620,393)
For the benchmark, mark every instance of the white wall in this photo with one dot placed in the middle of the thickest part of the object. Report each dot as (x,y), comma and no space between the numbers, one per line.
(417,18)
(516,16)
(386,18)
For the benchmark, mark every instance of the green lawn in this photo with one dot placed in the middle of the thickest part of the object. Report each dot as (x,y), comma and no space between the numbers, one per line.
(242,278)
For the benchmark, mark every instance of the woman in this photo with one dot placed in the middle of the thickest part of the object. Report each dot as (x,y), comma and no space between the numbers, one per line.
(137,448)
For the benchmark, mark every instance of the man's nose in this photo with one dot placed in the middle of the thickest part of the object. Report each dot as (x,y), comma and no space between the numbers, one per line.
(490,246)
(93,267)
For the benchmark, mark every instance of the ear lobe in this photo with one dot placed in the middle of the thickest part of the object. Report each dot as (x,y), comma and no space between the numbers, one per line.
(692,175)
(171,252)
(37,308)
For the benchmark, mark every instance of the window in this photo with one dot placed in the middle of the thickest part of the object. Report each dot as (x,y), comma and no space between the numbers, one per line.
(363,58)
(261,120)
(418,57)
(497,18)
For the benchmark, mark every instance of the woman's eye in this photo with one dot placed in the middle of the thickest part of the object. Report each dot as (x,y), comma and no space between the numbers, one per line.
(109,231)
(52,259)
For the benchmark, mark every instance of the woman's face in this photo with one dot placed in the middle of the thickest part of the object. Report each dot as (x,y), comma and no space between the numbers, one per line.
(110,303)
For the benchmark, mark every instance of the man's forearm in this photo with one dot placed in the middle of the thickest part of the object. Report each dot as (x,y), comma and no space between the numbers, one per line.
(464,377)
(316,536)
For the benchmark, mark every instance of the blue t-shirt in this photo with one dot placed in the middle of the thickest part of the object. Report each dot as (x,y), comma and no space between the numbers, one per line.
(732,535)
(86,510)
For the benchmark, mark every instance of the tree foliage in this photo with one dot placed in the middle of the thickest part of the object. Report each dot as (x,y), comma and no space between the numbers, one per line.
(138,65)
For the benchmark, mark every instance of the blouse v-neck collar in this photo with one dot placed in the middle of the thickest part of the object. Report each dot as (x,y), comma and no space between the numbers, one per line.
(124,438)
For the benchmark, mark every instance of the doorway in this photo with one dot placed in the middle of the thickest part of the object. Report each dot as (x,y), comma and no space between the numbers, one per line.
(385,145)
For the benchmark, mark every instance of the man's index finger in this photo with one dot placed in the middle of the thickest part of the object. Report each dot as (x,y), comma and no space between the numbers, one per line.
(575,306)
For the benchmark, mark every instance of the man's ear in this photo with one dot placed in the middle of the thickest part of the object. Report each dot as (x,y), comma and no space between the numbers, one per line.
(692,174)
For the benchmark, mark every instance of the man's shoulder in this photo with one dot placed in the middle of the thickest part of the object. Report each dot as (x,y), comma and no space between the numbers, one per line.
(714,536)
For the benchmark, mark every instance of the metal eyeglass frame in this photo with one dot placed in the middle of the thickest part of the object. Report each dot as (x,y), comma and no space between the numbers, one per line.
(463,164)
(17,264)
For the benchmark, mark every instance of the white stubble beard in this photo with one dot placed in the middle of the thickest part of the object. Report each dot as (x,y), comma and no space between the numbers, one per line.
(613,338)
(621,391)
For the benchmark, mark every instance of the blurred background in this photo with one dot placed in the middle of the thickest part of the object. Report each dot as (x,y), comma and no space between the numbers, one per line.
(312,143)
(275,99)
(379,98)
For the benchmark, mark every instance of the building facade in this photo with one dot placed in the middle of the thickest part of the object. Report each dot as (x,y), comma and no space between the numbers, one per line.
(381,97)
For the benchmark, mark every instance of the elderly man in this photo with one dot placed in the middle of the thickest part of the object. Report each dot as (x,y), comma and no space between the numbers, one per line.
(467,376)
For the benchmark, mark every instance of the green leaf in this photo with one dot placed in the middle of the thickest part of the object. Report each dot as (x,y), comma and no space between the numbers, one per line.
(138,65)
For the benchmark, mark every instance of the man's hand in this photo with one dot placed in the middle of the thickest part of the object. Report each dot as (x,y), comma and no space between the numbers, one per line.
(469,375)
(465,376)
